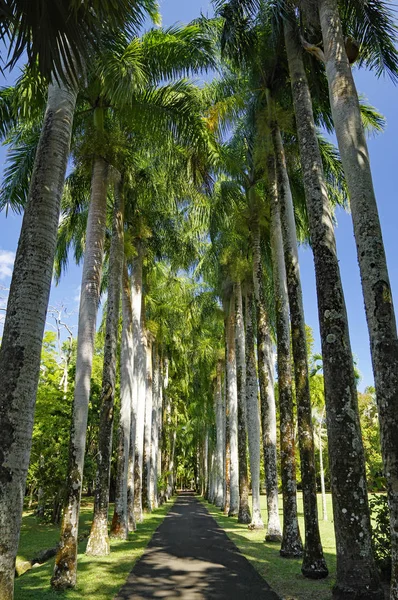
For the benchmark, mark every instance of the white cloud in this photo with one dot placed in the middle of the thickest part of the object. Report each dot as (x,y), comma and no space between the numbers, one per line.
(6,263)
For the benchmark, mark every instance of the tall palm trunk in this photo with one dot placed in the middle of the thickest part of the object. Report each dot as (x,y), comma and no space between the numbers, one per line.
(356,572)
(314,564)
(220,441)
(98,542)
(321,469)
(65,569)
(232,401)
(148,424)
(140,375)
(267,396)
(291,541)
(376,287)
(120,528)
(24,323)
(156,419)
(227,447)
(244,510)
(253,415)
(138,368)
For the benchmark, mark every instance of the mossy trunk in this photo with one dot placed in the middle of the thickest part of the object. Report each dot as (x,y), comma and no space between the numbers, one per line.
(356,572)
(267,396)
(314,564)
(22,338)
(65,569)
(253,414)
(291,541)
(244,509)
(372,261)
(98,542)
(119,527)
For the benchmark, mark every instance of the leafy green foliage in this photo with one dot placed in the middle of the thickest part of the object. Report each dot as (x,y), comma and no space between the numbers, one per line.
(381,537)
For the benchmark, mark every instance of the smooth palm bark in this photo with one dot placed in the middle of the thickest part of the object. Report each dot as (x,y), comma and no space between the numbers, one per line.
(372,261)
(220,442)
(232,401)
(227,447)
(155,423)
(356,572)
(119,527)
(322,470)
(25,320)
(65,569)
(148,425)
(253,415)
(138,369)
(98,542)
(267,396)
(291,540)
(140,376)
(314,564)
(244,509)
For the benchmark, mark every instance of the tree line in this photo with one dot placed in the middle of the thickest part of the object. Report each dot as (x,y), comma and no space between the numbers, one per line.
(221,181)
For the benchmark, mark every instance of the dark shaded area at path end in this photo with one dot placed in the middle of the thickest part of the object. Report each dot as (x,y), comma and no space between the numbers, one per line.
(190,558)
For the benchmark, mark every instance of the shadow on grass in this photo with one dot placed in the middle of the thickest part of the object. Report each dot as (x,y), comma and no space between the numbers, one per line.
(99,578)
(283,575)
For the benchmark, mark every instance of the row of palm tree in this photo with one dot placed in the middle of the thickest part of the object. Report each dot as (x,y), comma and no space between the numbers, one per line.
(224,179)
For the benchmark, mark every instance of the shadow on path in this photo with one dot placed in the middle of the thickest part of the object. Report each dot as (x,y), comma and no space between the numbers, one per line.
(190,558)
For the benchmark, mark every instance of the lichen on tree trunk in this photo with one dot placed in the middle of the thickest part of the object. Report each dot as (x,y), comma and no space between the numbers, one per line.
(291,540)
(314,564)
(98,542)
(244,509)
(356,572)
(21,345)
(267,397)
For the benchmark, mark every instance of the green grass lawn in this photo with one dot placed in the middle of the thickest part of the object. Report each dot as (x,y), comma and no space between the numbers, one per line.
(98,578)
(283,575)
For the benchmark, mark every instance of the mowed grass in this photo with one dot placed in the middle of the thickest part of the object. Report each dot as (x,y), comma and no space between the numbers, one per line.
(283,575)
(98,578)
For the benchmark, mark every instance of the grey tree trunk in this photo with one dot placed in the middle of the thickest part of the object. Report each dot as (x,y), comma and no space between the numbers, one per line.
(148,440)
(155,424)
(253,415)
(65,569)
(322,470)
(140,376)
(232,400)
(98,542)
(291,541)
(138,368)
(220,441)
(314,564)
(356,573)
(375,280)
(120,528)
(24,323)
(267,396)
(244,509)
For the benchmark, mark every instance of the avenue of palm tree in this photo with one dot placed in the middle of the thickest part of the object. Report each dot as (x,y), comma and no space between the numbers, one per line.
(182,167)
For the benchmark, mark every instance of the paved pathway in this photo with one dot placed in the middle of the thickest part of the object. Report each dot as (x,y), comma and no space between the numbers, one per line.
(191,558)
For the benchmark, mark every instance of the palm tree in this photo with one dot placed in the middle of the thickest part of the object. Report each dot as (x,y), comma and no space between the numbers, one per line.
(291,541)
(32,274)
(244,510)
(98,542)
(346,466)
(377,38)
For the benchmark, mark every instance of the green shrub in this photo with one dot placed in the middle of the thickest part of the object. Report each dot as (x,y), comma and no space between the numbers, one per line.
(381,534)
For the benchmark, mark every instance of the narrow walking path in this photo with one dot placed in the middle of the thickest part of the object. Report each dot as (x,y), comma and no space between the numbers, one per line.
(190,558)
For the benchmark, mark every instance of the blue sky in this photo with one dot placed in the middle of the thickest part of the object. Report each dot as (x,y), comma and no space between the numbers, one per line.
(382,94)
